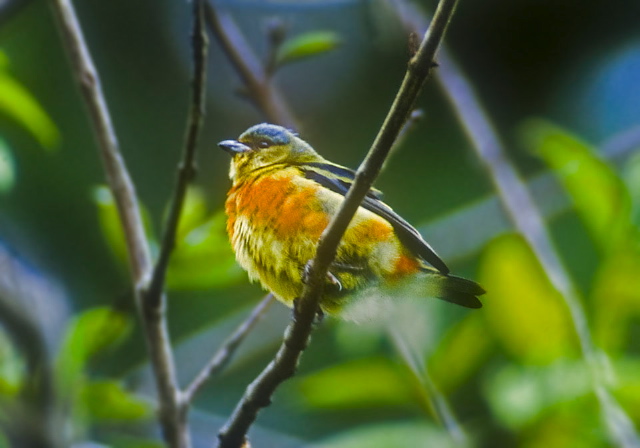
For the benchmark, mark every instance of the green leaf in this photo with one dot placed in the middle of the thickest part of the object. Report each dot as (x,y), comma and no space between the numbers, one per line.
(599,195)
(110,225)
(194,212)
(12,368)
(523,310)
(88,334)
(364,383)
(518,395)
(461,353)
(7,168)
(616,296)
(306,45)
(107,401)
(383,435)
(18,104)
(631,176)
(203,258)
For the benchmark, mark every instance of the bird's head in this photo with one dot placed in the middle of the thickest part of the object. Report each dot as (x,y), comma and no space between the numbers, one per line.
(263,145)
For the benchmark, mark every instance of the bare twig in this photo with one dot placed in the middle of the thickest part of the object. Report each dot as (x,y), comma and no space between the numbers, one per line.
(155,329)
(226,351)
(259,392)
(249,68)
(187,168)
(523,212)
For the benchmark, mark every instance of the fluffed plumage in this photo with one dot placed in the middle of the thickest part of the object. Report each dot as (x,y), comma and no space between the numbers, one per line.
(281,200)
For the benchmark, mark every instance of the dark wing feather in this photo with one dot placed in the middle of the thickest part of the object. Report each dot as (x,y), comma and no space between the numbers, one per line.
(407,234)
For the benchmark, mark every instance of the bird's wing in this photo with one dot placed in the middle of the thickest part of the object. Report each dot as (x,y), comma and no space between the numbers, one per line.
(339,179)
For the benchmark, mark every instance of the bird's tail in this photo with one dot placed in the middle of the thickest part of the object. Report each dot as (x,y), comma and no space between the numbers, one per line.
(453,289)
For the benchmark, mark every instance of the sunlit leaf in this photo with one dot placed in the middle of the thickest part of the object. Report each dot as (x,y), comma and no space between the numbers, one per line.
(108,401)
(519,394)
(7,168)
(88,334)
(462,351)
(18,104)
(384,435)
(110,225)
(616,296)
(203,258)
(598,193)
(523,310)
(358,384)
(575,424)
(12,368)
(307,45)
(627,386)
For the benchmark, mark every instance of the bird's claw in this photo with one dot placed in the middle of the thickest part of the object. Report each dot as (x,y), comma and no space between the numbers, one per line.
(333,281)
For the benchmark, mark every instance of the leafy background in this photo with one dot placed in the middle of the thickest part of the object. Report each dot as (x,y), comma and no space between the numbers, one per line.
(559,80)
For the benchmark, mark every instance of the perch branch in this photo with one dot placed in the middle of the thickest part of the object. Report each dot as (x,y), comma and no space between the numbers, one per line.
(260,391)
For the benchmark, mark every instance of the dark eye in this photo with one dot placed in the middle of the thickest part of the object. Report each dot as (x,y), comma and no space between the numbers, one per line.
(263,144)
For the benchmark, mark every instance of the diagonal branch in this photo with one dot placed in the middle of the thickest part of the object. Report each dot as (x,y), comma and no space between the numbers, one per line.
(187,167)
(226,351)
(255,78)
(260,391)
(519,205)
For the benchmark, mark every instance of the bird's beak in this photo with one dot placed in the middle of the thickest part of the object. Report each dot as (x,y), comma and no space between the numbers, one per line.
(234,147)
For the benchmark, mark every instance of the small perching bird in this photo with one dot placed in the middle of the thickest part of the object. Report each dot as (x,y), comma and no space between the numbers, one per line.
(282,198)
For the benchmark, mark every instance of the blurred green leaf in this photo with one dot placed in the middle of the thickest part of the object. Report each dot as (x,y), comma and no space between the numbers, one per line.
(111,227)
(461,353)
(306,45)
(107,401)
(598,193)
(575,425)
(88,334)
(616,296)
(12,367)
(7,168)
(405,434)
(523,310)
(203,258)
(362,383)
(18,104)
(194,212)
(631,176)
(121,441)
(518,395)
(626,385)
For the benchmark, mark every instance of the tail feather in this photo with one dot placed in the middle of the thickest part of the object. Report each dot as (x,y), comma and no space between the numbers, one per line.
(456,290)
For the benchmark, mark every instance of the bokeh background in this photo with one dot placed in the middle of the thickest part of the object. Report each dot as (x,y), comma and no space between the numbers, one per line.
(559,81)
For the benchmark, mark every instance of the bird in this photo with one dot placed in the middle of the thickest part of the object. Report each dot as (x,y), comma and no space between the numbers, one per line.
(282,197)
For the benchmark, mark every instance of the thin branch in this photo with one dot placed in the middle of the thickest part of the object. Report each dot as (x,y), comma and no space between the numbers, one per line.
(187,167)
(527,219)
(256,80)
(283,366)
(154,322)
(226,351)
